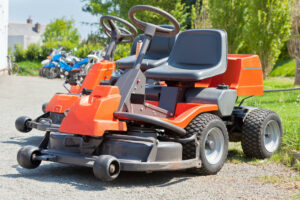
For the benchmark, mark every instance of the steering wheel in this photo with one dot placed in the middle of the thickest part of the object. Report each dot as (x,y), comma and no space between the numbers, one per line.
(160,31)
(112,30)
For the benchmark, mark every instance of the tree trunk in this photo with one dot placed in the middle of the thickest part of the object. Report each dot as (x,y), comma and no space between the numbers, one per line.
(297,72)
(266,65)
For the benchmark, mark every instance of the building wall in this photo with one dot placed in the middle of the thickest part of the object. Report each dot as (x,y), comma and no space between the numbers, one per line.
(28,39)
(3,33)
(15,39)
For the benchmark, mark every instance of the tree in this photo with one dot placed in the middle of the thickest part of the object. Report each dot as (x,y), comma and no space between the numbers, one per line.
(294,43)
(199,14)
(61,32)
(120,8)
(267,28)
(229,15)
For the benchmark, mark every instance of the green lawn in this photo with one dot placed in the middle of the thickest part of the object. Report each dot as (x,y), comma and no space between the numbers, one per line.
(284,68)
(287,105)
(29,68)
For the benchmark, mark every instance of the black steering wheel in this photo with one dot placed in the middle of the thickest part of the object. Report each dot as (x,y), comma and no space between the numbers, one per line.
(159,31)
(122,35)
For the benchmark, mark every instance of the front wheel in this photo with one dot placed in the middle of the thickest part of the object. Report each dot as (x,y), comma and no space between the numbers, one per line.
(212,136)
(106,168)
(262,133)
(26,157)
(52,73)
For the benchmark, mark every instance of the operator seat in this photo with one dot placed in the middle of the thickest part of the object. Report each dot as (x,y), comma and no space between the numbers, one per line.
(197,54)
(156,55)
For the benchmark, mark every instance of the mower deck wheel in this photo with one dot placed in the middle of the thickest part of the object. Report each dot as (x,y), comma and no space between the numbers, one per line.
(262,133)
(44,106)
(213,139)
(26,156)
(106,168)
(21,124)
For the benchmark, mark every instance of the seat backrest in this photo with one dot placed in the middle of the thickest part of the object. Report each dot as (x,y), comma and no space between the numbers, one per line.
(200,47)
(159,47)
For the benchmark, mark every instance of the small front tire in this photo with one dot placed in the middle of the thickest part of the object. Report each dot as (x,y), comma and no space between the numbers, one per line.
(26,156)
(21,124)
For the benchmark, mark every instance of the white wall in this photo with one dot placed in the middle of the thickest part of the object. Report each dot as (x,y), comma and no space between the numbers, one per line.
(3,33)
(13,39)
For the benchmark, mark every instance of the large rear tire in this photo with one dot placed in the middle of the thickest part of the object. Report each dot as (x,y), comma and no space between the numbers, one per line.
(261,134)
(213,139)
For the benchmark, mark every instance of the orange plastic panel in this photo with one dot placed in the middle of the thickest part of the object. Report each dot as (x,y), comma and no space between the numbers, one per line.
(99,72)
(61,102)
(93,115)
(244,74)
(186,112)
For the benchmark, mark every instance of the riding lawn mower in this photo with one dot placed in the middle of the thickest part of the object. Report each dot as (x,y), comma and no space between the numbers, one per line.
(184,121)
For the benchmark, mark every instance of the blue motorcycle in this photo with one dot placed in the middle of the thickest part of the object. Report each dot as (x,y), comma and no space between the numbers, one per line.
(72,67)
(50,68)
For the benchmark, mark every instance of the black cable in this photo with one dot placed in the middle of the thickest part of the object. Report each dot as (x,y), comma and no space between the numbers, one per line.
(276,90)
(282,90)
(244,100)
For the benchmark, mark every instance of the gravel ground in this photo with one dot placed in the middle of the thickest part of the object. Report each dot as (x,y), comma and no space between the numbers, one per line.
(25,95)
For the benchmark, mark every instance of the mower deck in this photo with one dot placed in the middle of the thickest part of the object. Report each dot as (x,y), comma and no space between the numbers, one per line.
(126,164)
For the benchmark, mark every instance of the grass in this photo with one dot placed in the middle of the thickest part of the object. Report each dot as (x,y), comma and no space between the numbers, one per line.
(291,183)
(284,68)
(287,105)
(29,68)
(277,179)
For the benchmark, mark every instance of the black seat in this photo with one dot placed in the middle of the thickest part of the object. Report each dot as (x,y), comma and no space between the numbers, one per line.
(197,54)
(157,54)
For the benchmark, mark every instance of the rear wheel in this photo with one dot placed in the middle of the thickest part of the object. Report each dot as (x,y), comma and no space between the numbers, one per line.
(15,69)
(212,137)
(262,133)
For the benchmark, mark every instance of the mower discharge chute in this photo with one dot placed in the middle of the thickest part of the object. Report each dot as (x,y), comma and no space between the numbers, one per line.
(186,124)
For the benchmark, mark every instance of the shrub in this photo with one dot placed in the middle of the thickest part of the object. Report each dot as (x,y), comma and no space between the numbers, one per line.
(44,52)
(122,51)
(19,53)
(33,52)
(85,49)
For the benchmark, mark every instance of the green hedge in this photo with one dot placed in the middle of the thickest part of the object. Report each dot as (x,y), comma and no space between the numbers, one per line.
(36,52)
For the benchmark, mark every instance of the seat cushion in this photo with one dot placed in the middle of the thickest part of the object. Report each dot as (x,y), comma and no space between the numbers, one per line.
(157,52)
(147,63)
(169,72)
(197,54)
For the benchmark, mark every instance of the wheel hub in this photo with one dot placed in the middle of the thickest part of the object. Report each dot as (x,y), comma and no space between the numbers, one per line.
(209,144)
(214,145)
(112,169)
(272,136)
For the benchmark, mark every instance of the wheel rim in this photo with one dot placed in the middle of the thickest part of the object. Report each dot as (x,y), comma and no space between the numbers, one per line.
(15,69)
(214,145)
(272,136)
